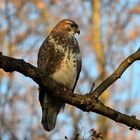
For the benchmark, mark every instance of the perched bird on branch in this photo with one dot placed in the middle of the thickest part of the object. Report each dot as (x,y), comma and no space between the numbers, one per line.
(58,58)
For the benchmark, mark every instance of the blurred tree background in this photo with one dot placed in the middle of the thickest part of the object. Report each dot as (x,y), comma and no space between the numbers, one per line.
(110,31)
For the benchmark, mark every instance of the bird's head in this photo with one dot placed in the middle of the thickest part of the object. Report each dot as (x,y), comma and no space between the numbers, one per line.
(67,26)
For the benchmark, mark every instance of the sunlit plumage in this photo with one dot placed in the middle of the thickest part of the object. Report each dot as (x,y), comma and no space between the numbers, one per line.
(59,58)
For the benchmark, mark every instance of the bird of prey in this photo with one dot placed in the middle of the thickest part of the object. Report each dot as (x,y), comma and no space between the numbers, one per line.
(58,58)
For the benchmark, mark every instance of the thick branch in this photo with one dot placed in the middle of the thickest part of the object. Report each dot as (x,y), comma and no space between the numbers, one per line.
(83,102)
(115,75)
(10,64)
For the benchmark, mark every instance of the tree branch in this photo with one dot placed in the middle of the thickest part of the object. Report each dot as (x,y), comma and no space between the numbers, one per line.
(10,64)
(83,102)
(116,74)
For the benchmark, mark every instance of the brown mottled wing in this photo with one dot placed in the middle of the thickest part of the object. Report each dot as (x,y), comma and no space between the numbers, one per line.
(44,55)
(48,59)
(46,51)
(79,65)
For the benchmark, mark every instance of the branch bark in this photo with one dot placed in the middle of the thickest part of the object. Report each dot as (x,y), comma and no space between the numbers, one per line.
(87,102)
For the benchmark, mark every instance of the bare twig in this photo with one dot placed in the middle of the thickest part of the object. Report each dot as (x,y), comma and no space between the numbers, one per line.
(91,90)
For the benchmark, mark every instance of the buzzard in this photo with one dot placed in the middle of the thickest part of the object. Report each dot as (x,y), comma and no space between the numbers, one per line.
(59,59)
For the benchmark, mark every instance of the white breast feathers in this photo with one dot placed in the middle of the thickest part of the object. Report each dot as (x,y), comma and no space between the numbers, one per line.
(67,72)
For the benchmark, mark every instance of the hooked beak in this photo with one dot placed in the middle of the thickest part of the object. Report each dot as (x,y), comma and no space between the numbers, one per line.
(77,30)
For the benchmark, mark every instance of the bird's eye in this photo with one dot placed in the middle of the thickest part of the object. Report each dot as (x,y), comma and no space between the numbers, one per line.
(73,25)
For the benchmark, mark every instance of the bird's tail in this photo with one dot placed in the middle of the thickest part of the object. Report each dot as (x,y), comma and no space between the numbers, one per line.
(50,110)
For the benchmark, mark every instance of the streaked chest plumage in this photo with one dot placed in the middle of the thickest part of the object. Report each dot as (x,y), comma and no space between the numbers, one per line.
(66,72)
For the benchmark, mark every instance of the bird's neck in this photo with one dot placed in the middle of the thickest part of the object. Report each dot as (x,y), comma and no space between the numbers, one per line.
(61,36)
